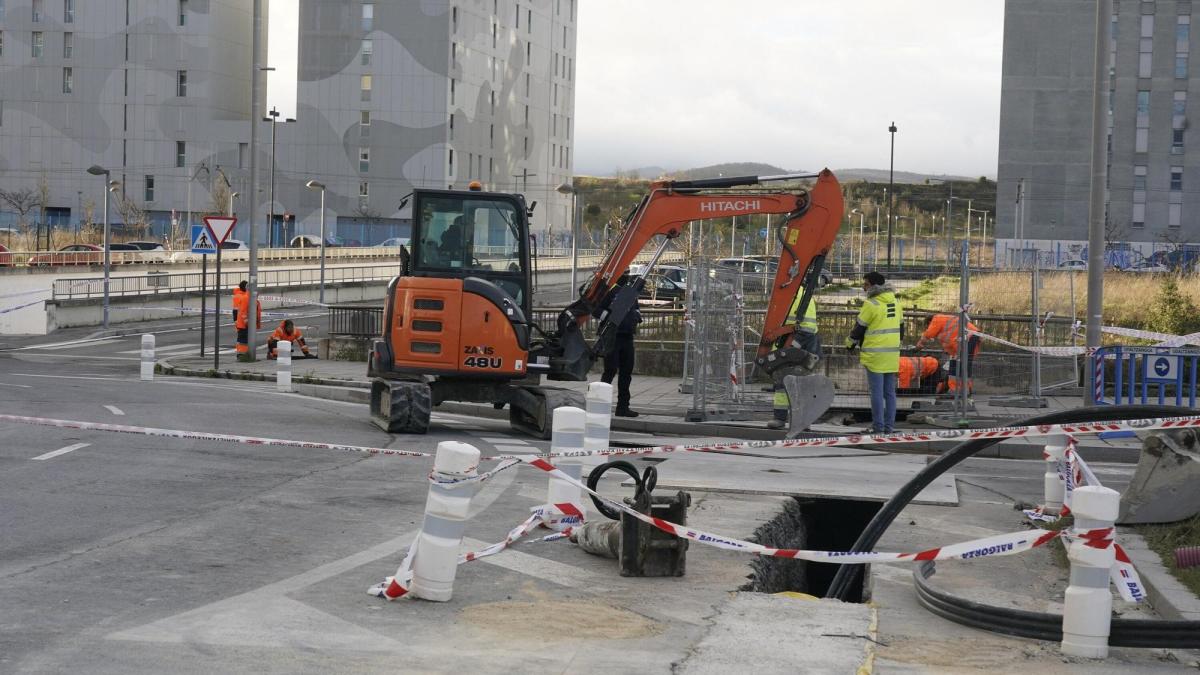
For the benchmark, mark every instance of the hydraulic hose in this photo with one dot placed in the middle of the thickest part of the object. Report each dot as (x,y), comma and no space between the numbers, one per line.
(847,574)
(644,482)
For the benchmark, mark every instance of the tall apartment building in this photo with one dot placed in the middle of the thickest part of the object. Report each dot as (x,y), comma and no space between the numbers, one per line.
(1153,196)
(392,95)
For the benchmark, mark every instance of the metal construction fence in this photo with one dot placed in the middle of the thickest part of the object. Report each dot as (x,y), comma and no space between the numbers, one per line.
(1125,375)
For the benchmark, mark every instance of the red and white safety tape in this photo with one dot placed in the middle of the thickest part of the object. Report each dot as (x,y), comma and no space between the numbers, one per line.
(292,301)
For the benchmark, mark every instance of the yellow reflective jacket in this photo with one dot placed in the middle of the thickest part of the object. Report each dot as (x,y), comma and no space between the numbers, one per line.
(809,323)
(882,316)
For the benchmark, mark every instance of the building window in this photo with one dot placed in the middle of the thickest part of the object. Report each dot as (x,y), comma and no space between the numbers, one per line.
(368,17)
(454,20)
(529,21)
(1176,179)
(181,83)
(35,44)
(1,34)
(68,11)
(1180,104)
(149,188)
(527,88)
(1141,140)
(364,189)
(1174,215)
(68,45)
(494,31)
(183,8)
(1,10)
(1181,66)
(180,154)
(365,84)
(68,80)
(1183,33)
(243,152)
(518,15)
(452,87)
(364,160)
(451,126)
(491,136)
(364,118)
(450,163)
(1177,141)
(528,53)
(492,100)
(526,113)
(37,10)
(367,49)
(1139,216)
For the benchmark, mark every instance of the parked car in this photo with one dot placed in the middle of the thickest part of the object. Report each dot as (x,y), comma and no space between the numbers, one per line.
(394,242)
(71,254)
(123,254)
(659,287)
(675,273)
(826,277)
(1074,264)
(314,241)
(1147,266)
(5,256)
(152,251)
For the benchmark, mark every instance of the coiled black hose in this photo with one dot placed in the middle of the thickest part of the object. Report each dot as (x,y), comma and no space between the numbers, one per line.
(642,483)
(848,574)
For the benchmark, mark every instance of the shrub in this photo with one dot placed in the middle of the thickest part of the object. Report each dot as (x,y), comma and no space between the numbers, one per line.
(1172,311)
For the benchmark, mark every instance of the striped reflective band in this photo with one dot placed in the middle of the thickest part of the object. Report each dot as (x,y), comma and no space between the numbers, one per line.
(880,349)
(883,331)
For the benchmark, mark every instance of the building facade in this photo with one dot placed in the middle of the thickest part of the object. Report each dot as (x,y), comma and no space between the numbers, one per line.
(1153,195)
(391,96)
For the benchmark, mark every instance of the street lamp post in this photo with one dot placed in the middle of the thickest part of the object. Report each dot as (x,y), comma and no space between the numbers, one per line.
(109,185)
(568,189)
(191,178)
(318,185)
(861,217)
(891,193)
(232,196)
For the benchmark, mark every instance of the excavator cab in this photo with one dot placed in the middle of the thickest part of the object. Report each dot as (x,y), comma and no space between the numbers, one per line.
(472,234)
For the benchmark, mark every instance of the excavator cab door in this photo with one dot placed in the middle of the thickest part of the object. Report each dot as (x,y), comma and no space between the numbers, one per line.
(459,234)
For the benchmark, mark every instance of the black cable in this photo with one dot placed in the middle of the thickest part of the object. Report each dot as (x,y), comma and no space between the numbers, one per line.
(644,483)
(847,574)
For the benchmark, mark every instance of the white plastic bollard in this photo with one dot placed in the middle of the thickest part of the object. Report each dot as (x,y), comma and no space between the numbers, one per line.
(283,377)
(599,421)
(148,356)
(568,431)
(435,563)
(1087,606)
(1054,454)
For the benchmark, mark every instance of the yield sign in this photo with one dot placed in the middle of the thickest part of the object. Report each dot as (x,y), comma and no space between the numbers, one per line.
(221,226)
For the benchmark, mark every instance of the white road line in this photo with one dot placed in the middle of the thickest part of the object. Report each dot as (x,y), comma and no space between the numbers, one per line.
(71,345)
(503,439)
(115,410)
(517,449)
(23,386)
(62,451)
(85,356)
(169,348)
(69,377)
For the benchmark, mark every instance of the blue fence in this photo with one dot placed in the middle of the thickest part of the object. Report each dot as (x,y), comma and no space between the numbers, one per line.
(1145,374)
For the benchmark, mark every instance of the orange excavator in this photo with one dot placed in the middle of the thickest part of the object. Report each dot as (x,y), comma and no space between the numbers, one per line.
(456,322)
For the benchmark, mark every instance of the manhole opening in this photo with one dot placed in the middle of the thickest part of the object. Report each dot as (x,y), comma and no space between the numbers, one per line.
(809,523)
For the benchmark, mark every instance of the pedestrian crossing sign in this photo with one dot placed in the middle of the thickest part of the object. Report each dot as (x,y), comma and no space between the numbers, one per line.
(203,240)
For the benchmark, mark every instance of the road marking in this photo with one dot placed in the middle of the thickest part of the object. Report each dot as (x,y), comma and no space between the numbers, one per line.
(516,449)
(70,377)
(86,356)
(115,410)
(503,439)
(64,345)
(23,386)
(169,348)
(62,451)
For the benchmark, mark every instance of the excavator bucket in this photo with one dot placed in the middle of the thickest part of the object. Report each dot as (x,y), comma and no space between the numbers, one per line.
(810,396)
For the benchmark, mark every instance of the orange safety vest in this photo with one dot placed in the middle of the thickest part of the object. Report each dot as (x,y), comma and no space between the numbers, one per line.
(281,334)
(914,369)
(241,302)
(944,329)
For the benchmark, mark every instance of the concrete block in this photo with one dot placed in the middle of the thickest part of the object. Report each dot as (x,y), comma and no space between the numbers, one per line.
(1163,489)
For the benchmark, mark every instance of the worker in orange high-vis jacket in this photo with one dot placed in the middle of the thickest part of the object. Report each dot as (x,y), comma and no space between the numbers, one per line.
(287,331)
(241,310)
(943,329)
(919,375)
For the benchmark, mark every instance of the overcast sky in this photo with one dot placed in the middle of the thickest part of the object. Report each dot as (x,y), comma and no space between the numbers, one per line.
(795,83)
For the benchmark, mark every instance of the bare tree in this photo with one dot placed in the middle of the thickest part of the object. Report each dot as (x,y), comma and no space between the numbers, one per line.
(133,215)
(22,201)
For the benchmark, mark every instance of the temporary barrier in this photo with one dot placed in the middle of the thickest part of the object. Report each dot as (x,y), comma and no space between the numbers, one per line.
(283,354)
(147,370)
(1144,374)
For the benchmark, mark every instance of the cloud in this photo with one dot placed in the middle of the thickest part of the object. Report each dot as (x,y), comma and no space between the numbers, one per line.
(801,85)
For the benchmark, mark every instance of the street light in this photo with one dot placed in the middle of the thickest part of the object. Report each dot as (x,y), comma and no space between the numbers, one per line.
(97,170)
(891,195)
(861,216)
(199,167)
(318,185)
(232,196)
(568,189)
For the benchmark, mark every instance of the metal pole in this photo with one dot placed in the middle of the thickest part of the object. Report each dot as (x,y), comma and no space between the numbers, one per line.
(252,285)
(203,298)
(861,264)
(960,396)
(1095,302)
(574,242)
(891,194)
(217,313)
(107,260)
(271,221)
(875,247)
(732,236)
(322,296)
(1035,389)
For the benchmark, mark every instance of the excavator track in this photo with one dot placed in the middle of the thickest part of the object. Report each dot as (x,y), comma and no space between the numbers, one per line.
(400,407)
(532,408)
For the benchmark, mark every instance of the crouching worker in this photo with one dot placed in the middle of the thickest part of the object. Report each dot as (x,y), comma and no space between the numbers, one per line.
(919,375)
(287,331)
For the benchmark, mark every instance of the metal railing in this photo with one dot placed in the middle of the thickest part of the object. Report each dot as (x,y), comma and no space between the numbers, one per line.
(1143,374)
(356,321)
(158,283)
(95,258)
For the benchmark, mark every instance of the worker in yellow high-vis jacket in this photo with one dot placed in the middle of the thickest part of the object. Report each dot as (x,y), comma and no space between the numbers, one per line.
(876,334)
(804,337)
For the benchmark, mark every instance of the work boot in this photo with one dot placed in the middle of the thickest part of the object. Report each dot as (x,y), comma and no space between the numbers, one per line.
(625,412)
(776,424)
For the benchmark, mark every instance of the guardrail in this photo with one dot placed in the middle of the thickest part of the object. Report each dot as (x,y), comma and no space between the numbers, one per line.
(1140,374)
(355,321)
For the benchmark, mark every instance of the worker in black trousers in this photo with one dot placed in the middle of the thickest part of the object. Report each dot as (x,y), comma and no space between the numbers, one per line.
(619,361)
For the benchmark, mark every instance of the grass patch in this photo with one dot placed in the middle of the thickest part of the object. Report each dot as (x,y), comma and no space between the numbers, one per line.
(1164,539)
(937,294)
(1058,548)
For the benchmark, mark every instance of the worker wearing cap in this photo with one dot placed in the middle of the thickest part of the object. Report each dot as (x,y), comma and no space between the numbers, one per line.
(287,331)
(805,337)
(876,335)
(943,329)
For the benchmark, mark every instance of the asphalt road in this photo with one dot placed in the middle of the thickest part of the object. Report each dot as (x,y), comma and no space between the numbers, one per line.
(130,553)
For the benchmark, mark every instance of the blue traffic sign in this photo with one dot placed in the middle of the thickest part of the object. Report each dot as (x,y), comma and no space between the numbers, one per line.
(203,240)
(1161,368)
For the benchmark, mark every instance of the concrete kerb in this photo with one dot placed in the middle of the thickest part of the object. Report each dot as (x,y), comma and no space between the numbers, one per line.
(1170,598)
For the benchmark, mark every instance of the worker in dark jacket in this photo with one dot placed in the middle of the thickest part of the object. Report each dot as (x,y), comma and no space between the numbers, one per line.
(619,360)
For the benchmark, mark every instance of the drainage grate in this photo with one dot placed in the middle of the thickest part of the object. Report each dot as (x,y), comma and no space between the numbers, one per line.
(814,524)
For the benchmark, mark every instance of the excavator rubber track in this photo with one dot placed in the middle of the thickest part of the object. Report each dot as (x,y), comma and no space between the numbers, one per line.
(531,410)
(400,406)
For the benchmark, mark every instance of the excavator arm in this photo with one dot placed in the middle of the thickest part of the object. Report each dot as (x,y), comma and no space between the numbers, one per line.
(806,234)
